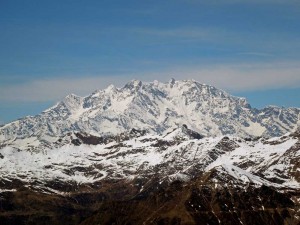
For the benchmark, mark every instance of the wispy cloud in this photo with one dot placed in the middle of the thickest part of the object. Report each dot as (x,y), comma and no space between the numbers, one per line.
(57,88)
(257,43)
(180,32)
(231,77)
(246,77)
(263,54)
(244,1)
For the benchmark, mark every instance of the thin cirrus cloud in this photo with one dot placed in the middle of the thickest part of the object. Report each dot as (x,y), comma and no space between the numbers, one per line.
(191,32)
(238,77)
(244,1)
(260,43)
(195,34)
(262,54)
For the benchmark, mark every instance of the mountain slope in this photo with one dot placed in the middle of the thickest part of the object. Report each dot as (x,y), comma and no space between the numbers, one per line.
(82,159)
(152,153)
(156,107)
(142,178)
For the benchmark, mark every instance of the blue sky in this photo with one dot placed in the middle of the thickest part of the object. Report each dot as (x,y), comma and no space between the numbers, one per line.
(49,49)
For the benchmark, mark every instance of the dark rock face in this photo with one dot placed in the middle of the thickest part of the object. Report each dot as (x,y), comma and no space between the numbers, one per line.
(88,139)
(195,202)
(179,204)
(192,134)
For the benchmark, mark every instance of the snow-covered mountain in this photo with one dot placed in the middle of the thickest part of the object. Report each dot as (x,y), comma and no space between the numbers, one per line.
(156,107)
(152,153)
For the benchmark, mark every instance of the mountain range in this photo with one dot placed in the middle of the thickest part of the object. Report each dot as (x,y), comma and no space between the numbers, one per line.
(152,153)
(157,107)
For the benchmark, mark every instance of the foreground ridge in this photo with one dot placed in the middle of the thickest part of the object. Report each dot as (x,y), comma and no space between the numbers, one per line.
(112,179)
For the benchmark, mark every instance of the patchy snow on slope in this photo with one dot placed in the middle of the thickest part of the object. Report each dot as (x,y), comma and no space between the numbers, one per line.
(172,156)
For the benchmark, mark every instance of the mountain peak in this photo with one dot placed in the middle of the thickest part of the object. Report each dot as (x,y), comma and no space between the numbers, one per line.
(133,85)
(72,96)
(110,88)
(172,82)
(157,107)
(72,100)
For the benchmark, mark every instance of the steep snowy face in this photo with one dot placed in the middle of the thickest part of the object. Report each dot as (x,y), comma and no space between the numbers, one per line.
(156,107)
(277,119)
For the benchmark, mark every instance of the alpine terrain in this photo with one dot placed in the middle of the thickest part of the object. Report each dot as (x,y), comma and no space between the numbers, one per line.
(152,153)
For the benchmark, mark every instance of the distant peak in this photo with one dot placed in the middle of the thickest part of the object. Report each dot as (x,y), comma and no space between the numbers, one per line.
(134,85)
(72,97)
(172,82)
(189,82)
(156,82)
(110,88)
(273,107)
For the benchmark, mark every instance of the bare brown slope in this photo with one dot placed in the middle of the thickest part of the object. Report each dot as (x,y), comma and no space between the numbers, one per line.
(199,201)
